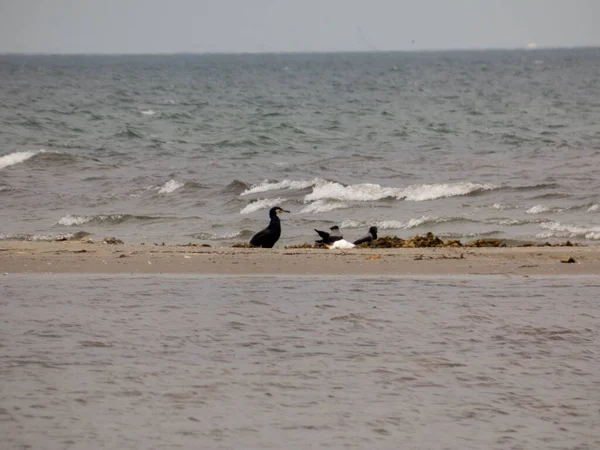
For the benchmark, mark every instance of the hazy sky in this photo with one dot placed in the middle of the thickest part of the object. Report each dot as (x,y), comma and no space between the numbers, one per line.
(165,26)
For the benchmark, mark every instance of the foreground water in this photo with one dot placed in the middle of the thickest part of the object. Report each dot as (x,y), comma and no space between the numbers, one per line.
(197,147)
(168,362)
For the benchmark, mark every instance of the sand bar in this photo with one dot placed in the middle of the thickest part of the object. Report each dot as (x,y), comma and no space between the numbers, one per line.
(79,257)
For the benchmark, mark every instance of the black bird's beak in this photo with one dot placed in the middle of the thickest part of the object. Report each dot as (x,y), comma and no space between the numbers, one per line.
(282,210)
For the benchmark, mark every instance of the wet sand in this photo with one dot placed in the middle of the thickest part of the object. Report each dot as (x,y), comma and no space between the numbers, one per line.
(78,257)
(275,362)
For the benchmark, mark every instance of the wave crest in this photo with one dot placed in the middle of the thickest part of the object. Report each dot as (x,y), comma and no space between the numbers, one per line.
(17,157)
(321,206)
(538,209)
(403,224)
(261,204)
(73,220)
(170,186)
(371,192)
(559,230)
(284,184)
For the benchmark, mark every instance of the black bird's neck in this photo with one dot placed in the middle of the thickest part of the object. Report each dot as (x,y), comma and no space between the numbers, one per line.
(275,223)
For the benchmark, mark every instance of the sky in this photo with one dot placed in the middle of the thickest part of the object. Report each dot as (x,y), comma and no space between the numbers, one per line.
(199,26)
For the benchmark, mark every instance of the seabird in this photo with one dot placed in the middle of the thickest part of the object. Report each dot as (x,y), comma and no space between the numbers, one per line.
(342,243)
(329,238)
(369,237)
(269,236)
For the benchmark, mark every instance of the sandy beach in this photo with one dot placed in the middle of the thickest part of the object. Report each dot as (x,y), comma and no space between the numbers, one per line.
(79,257)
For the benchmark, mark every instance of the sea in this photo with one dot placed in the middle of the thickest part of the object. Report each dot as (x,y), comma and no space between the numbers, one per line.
(196,148)
(279,362)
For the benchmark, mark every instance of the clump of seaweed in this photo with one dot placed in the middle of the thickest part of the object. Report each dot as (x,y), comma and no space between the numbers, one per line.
(486,243)
(305,245)
(548,244)
(431,240)
(242,245)
(418,241)
(427,241)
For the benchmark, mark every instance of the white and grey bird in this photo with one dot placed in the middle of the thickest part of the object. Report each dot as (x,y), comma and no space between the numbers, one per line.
(369,237)
(331,237)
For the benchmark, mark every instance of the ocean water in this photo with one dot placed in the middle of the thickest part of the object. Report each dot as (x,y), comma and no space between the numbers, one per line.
(197,148)
(188,362)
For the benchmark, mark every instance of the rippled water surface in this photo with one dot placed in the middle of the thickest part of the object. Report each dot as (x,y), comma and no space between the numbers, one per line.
(197,148)
(296,362)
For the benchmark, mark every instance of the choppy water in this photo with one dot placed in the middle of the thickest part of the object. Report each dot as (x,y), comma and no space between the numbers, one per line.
(197,148)
(299,362)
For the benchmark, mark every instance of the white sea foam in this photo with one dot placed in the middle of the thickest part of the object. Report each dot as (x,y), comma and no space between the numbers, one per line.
(261,204)
(557,229)
(74,220)
(351,224)
(371,192)
(321,206)
(396,224)
(148,112)
(17,157)
(594,208)
(285,184)
(170,186)
(538,209)
(71,220)
(508,222)
(356,192)
(423,192)
(36,237)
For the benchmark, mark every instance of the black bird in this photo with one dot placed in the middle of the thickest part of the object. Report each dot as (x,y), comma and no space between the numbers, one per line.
(329,238)
(369,237)
(269,236)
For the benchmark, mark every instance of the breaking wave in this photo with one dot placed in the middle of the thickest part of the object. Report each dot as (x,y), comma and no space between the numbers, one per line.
(364,192)
(261,204)
(370,192)
(321,206)
(559,230)
(403,224)
(503,207)
(512,222)
(72,220)
(593,208)
(17,157)
(285,184)
(538,209)
(170,186)
(43,237)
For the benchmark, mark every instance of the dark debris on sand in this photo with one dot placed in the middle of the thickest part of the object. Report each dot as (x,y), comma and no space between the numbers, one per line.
(431,240)
(428,241)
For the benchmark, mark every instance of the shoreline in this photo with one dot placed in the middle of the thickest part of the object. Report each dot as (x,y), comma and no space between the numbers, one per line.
(73,257)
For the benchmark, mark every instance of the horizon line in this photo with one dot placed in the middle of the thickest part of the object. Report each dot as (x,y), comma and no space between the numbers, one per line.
(303,52)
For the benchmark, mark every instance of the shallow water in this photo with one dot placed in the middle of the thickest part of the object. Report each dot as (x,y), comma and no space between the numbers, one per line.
(197,148)
(167,362)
